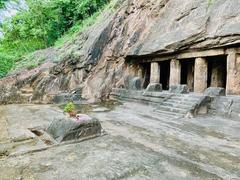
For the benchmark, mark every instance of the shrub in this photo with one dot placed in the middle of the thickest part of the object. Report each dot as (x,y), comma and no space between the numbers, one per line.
(2,3)
(41,25)
(70,107)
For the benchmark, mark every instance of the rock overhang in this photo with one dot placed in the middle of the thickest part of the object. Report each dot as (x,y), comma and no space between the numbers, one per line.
(191,25)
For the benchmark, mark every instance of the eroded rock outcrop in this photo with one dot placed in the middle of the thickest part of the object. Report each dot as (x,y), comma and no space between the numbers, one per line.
(94,62)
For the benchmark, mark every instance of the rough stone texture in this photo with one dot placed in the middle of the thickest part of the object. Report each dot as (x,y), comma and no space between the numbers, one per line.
(147,97)
(155,72)
(139,144)
(215,91)
(135,83)
(217,75)
(67,129)
(154,87)
(3,127)
(200,75)
(179,89)
(233,73)
(192,24)
(226,106)
(61,98)
(94,60)
(175,72)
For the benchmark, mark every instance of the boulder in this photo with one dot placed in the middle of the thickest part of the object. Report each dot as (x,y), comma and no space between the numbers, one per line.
(68,129)
(214,91)
(154,87)
(179,89)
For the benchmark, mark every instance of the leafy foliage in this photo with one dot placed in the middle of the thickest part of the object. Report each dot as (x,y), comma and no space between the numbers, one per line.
(2,3)
(70,107)
(41,26)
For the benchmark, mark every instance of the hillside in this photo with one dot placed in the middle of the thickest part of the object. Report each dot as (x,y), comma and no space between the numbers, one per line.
(93,61)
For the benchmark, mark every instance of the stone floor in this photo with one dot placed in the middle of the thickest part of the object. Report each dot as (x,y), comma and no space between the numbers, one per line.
(139,145)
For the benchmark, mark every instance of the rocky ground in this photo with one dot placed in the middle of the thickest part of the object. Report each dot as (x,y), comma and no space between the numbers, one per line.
(139,144)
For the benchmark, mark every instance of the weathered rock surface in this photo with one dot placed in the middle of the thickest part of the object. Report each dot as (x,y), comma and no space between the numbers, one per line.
(154,87)
(226,106)
(179,89)
(137,146)
(67,129)
(94,60)
(192,25)
(215,91)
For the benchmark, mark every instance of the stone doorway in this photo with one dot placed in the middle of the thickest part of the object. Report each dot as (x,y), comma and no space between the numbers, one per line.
(165,74)
(217,71)
(187,73)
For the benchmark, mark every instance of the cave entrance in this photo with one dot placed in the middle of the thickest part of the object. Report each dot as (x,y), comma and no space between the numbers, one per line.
(217,71)
(187,73)
(164,74)
(146,67)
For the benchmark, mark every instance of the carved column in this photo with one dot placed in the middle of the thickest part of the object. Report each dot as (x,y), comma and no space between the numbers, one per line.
(233,73)
(155,73)
(175,72)
(200,75)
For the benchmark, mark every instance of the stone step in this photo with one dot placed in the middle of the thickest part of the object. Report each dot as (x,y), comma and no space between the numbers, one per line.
(172,109)
(175,101)
(26,95)
(187,98)
(183,101)
(168,114)
(177,105)
(27,91)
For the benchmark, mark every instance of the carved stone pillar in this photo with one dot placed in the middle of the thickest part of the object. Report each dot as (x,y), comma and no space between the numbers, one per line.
(233,73)
(200,75)
(155,73)
(175,72)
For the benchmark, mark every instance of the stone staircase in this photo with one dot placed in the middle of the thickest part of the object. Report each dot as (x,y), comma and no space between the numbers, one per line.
(181,105)
(26,93)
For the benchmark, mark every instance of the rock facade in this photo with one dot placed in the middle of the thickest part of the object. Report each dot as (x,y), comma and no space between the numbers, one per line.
(97,60)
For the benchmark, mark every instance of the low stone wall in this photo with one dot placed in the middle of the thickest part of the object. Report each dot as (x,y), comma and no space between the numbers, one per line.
(226,105)
(141,96)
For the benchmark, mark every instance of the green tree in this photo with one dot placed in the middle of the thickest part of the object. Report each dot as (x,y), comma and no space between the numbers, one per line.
(40,26)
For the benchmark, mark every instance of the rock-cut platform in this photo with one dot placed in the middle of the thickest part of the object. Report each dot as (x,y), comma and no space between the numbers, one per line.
(139,144)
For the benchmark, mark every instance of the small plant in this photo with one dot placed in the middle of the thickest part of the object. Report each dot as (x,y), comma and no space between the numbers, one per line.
(70,107)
